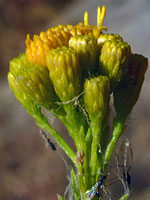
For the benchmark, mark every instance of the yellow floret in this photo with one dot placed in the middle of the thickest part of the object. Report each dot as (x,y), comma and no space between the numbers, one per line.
(37,49)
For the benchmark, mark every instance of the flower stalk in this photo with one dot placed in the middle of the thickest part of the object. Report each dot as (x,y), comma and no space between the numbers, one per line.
(72,71)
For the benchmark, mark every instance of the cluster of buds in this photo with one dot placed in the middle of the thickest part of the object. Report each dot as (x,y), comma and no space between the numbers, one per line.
(81,66)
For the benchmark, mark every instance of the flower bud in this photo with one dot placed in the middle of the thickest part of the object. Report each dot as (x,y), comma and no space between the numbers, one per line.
(63,65)
(96,96)
(21,96)
(86,48)
(128,90)
(104,37)
(34,80)
(113,59)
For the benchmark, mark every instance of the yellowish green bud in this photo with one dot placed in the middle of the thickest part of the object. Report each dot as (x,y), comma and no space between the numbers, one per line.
(34,80)
(113,59)
(128,90)
(63,65)
(18,64)
(21,96)
(96,96)
(104,37)
(86,48)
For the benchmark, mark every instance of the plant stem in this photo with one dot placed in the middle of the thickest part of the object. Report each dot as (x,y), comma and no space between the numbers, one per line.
(60,197)
(75,185)
(96,133)
(118,127)
(75,124)
(80,180)
(43,123)
(87,159)
(124,197)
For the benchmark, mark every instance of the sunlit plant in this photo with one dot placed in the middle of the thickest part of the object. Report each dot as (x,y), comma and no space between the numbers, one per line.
(71,71)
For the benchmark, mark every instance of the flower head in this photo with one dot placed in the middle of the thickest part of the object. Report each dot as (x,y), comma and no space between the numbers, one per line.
(63,65)
(113,59)
(33,80)
(127,92)
(58,60)
(96,96)
(86,48)
(59,36)
(21,96)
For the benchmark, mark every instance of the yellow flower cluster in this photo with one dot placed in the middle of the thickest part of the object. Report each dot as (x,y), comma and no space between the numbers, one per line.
(71,72)
(65,61)
(54,37)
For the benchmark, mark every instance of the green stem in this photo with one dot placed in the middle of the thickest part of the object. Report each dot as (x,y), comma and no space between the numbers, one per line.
(118,127)
(87,159)
(96,133)
(71,131)
(75,186)
(60,197)
(124,197)
(80,180)
(74,123)
(43,123)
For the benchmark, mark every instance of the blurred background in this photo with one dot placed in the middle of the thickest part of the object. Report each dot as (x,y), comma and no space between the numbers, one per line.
(28,170)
